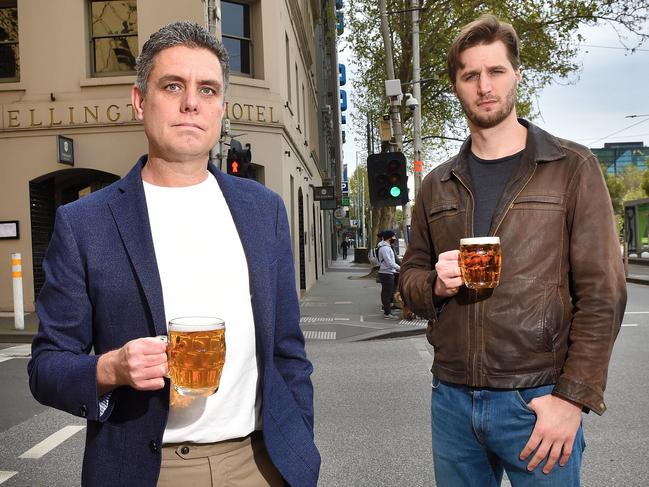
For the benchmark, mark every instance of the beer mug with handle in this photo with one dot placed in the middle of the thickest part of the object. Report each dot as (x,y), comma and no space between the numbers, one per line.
(480,262)
(196,354)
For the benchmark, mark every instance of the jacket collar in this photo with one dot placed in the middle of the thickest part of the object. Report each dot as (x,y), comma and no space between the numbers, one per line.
(540,147)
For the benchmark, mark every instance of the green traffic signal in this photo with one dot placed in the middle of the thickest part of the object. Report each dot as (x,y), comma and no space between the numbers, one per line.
(395,191)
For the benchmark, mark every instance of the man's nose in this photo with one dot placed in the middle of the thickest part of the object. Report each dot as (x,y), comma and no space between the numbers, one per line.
(484,84)
(189,102)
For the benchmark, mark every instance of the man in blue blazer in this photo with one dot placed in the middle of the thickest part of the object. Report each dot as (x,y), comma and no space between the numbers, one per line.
(176,237)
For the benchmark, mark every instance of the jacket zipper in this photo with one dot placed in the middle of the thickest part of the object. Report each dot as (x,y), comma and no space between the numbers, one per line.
(473,357)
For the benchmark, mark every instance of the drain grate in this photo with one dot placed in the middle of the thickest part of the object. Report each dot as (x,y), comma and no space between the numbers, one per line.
(319,335)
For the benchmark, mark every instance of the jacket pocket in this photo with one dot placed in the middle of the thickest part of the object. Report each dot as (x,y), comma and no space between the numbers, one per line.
(443,209)
(514,328)
(446,225)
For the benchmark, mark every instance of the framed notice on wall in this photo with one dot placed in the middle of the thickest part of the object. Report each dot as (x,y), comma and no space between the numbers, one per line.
(9,229)
(65,147)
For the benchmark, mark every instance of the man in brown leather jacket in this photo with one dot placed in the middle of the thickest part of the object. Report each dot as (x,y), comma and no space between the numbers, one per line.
(515,366)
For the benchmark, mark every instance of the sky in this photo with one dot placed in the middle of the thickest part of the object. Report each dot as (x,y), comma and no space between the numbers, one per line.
(611,85)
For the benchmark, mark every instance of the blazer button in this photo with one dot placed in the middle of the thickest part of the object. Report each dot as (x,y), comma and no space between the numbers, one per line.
(153,444)
(83,411)
(184,450)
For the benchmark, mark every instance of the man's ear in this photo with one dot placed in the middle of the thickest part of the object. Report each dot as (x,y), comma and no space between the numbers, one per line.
(137,100)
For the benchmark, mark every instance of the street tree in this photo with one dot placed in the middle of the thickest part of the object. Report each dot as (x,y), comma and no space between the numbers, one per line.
(550,38)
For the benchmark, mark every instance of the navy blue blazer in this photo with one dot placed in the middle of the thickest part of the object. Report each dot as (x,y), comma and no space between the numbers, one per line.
(102,288)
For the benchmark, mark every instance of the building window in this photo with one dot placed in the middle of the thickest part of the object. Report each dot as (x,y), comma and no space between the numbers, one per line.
(236,34)
(9,58)
(113,31)
(297,97)
(288,68)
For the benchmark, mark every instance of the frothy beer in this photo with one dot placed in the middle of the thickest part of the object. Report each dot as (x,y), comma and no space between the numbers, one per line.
(196,353)
(480,262)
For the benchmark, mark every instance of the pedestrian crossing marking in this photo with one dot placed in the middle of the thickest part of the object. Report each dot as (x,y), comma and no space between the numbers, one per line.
(417,323)
(6,475)
(319,335)
(51,442)
(316,319)
(19,351)
(321,319)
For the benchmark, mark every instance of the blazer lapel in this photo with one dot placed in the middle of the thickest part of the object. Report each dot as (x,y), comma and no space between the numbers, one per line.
(129,210)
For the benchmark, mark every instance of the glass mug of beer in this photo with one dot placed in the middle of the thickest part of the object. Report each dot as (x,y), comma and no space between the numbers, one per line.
(480,262)
(196,354)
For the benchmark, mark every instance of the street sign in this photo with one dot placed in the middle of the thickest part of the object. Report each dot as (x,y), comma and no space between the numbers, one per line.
(345,186)
(345,200)
(321,193)
(339,213)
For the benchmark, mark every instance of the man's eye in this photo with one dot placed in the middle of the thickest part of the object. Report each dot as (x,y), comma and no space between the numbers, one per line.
(206,90)
(173,87)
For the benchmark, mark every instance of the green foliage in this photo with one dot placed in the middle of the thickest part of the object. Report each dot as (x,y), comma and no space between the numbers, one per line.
(549,42)
(644,183)
(629,184)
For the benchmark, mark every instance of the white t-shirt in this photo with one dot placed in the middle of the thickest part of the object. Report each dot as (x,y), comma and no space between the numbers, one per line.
(204,272)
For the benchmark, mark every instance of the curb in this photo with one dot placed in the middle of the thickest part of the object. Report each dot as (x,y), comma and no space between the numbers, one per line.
(16,336)
(638,280)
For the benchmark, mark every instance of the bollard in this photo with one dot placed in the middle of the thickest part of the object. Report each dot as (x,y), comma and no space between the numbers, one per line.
(17,274)
(625,259)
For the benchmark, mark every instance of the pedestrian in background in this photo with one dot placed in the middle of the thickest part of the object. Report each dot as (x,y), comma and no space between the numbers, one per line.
(515,366)
(344,246)
(388,268)
(125,260)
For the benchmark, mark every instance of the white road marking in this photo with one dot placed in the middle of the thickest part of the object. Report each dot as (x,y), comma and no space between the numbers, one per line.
(4,359)
(6,475)
(629,324)
(17,351)
(636,312)
(362,319)
(51,442)
(319,335)
(343,302)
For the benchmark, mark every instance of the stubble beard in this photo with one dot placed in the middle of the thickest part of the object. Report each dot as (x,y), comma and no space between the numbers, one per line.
(492,119)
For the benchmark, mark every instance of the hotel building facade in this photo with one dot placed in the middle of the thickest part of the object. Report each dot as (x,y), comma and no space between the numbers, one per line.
(67,127)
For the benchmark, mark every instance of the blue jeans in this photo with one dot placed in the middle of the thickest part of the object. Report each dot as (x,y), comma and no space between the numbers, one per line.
(478,433)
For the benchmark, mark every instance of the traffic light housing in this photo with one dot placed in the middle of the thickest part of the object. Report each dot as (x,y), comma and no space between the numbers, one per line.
(388,182)
(239,160)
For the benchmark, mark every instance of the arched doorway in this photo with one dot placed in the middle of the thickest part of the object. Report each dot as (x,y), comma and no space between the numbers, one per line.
(46,194)
(300,213)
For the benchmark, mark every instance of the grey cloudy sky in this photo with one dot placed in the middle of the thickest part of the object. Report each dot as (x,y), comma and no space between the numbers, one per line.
(611,85)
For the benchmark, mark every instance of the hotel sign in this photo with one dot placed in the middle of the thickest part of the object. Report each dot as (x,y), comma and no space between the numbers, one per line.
(26,116)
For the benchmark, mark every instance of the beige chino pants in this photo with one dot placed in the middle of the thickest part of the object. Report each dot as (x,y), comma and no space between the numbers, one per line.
(242,462)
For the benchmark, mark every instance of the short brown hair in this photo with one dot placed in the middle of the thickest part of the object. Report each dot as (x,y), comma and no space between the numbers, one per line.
(486,29)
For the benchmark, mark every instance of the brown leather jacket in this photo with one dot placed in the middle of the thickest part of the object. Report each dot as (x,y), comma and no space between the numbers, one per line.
(557,311)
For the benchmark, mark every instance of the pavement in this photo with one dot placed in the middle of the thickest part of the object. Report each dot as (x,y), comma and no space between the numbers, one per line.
(343,305)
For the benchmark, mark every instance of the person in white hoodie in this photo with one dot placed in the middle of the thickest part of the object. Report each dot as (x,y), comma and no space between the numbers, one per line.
(387,271)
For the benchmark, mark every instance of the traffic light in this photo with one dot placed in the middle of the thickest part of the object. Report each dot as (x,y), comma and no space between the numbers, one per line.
(386,174)
(239,159)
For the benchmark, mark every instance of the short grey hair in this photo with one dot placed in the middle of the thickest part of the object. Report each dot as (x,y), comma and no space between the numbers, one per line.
(183,33)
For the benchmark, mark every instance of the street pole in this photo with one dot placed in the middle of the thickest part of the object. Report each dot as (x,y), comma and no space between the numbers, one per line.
(416,92)
(389,67)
